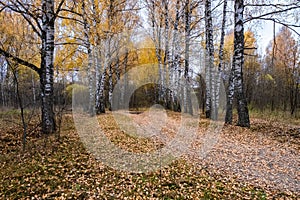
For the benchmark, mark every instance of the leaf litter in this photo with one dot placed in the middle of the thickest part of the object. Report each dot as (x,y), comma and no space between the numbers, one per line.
(257,163)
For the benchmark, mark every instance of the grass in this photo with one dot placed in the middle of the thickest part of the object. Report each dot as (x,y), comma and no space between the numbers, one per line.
(276,116)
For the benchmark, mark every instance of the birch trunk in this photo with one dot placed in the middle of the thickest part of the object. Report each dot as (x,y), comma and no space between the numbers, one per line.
(2,86)
(160,70)
(100,104)
(156,35)
(99,72)
(110,87)
(175,61)
(125,81)
(118,76)
(187,96)
(166,56)
(87,44)
(2,95)
(46,70)
(238,62)
(221,57)
(109,54)
(230,93)
(209,60)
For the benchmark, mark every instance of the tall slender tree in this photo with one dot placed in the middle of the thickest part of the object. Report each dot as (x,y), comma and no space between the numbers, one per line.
(209,60)
(238,63)
(43,25)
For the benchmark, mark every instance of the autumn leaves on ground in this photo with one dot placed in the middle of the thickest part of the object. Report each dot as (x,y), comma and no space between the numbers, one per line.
(257,163)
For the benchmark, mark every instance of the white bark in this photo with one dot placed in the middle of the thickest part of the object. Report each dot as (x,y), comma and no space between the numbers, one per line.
(87,44)
(221,55)
(176,58)
(187,96)
(238,62)
(110,86)
(100,104)
(99,72)
(47,72)
(209,64)
(166,51)
(157,38)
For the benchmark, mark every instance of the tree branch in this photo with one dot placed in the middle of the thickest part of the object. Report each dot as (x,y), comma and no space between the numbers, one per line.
(69,18)
(67,43)
(59,8)
(25,14)
(19,60)
(270,13)
(270,5)
(71,11)
(289,26)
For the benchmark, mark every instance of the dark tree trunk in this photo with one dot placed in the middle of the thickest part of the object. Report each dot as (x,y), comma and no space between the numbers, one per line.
(293,111)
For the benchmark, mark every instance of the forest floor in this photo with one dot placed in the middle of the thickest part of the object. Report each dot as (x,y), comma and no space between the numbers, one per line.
(262,162)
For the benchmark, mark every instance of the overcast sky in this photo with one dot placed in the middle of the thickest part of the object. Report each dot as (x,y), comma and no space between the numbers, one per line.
(265,35)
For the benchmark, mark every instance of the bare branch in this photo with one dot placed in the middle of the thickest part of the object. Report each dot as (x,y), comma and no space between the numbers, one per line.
(271,13)
(70,18)
(25,14)
(289,26)
(59,8)
(67,43)
(71,11)
(270,5)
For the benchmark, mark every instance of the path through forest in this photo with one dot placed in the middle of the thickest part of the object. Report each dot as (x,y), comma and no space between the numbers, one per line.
(258,157)
(267,155)
(257,163)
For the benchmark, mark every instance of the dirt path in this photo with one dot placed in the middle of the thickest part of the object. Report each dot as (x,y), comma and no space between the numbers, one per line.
(267,155)
(256,159)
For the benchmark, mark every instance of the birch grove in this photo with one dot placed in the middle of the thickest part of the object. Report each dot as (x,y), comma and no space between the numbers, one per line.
(99,40)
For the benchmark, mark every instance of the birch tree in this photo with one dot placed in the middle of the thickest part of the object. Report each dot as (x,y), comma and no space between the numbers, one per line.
(187,38)
(236,79)
(209,61)
(43,24)
(175,67)
(221,58)
(88,46)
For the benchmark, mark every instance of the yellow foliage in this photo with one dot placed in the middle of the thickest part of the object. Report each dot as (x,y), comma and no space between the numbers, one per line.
(146,52)
(19,39)
(269,77)
(249,44)
(144,63)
